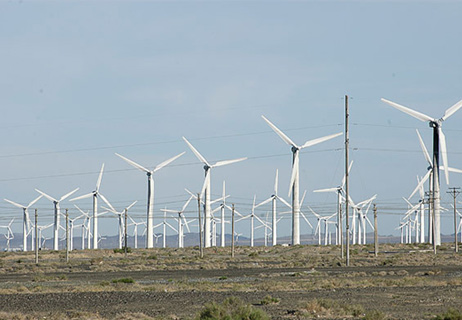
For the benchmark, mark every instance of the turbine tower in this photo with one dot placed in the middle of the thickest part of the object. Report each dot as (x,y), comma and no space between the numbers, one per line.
(439,140)
(26,220)
(95,195)
(150,205)
(294,179)
(207,188)
(57,214)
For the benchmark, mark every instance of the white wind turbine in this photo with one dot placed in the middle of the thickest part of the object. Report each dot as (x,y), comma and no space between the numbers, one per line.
(362,216)
(273,199)
(94,194)
(340,194)
(57,214)
(71,230)
(40,231)
(120,218)
(206,188)
(439,140)
(294,180)
(135,230)
(252,217)
(26,225)
(318,226)
(150,205)
(85,227)
(9,234)
(181,221)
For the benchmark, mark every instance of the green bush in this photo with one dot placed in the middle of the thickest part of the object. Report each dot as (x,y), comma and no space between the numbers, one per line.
(269,300)
(451,314)
(231,309)
(129,250)
(375,315)
(123,280)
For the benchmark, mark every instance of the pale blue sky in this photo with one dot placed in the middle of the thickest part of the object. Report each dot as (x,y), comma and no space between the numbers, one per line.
(82,80)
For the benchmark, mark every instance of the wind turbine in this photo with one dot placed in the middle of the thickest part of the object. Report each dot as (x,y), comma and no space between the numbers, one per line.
(294,179)
(207,188)
(150,205)
(40,231)
(181,221)
(135,230)
(85,227)
(439,140)
(9,234)
(26,229)
(340,192)
(120,216)
(71,231)
(57,214)
(95,195)
(273,199)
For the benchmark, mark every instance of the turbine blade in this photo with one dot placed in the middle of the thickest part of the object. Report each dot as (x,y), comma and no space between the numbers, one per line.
(205,183)
(276,182)
(327,190)
(303,216)
(344,176)
(106,201)
(169,210)
(198,155)
(166,162)
(82,197)
(46,196)
(444,154)
(303,198)
(15,204)
(420,184)
(294,173)
(319,140)
(133,163)
(424,149)
(133,203)
(315,214)
(452,110)
(68,194)
(186,204)
(34,201)
(454,170)
(264,202)
(280,133)
(413,113)
(225,162)
(284,202)
(100,177)
(186,223)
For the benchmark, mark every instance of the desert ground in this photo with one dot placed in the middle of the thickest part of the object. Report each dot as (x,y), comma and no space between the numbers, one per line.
(299,282)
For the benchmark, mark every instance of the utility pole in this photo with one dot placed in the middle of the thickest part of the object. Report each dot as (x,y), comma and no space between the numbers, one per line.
(232,232)
(455,192)
(376,233)
(36,238)
(125,231)
(67,236)
(347,142)
(201,250)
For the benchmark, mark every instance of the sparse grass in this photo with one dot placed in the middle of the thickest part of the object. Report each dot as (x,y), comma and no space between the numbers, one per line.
(328,308)
(231,309)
